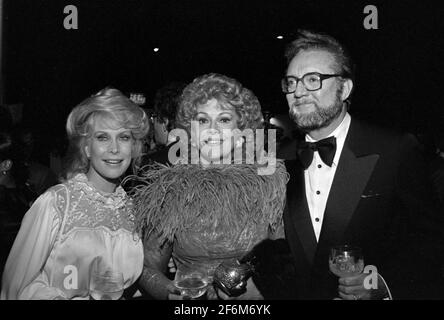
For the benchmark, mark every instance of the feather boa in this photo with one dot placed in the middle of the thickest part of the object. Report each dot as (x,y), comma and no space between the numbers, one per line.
(170,199)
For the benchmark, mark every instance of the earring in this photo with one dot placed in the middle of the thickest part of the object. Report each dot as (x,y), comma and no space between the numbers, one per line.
(193,144)
(239,142)
(4,173)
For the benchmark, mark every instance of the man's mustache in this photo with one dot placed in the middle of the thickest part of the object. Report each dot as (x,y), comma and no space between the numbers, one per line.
(301,102)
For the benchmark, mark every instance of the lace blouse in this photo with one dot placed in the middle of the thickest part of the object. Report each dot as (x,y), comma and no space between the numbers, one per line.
(68,229)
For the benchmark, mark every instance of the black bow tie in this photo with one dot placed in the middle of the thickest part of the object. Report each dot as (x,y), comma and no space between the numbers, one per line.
(326,148)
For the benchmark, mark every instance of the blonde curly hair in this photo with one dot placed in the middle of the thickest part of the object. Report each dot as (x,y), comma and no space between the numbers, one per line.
(228,92)
(111,104)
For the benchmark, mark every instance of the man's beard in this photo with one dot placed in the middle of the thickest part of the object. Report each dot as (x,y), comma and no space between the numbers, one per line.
(320,118)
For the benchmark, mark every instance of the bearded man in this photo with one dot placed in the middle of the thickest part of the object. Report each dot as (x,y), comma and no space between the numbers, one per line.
(352,183)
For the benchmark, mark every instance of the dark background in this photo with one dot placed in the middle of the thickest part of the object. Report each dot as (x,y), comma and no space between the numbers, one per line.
(50,69)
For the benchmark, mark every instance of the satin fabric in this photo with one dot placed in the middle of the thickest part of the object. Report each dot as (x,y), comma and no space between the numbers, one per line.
(69,229)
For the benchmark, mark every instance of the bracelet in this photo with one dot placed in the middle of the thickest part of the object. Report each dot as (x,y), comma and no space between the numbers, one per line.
(152,276)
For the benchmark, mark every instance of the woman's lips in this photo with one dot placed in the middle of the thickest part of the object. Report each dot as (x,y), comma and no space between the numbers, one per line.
(214,142)
(113,162)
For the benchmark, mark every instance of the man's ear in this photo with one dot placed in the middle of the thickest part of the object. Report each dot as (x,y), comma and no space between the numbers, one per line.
(347,87)
(5,165)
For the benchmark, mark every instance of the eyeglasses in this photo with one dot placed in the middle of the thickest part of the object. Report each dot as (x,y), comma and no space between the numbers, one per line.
(312,81)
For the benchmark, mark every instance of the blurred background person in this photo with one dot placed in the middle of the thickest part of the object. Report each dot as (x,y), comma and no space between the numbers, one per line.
(40,176)
(166,102)
(15,194)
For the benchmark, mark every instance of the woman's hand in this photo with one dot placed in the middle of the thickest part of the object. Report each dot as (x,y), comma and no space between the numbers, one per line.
(174,292)
(251,293)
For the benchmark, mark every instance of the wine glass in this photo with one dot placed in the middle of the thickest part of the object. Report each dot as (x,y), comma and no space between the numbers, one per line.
(191,282)
(106,285)
(346,261)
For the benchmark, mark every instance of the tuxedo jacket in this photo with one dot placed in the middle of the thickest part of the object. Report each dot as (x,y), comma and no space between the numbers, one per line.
(379,200)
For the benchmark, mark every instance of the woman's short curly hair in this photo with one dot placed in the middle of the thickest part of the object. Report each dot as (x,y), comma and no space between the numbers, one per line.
(109,104)
(228,92)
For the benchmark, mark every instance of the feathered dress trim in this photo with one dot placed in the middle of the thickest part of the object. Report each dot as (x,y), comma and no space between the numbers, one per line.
(172,199)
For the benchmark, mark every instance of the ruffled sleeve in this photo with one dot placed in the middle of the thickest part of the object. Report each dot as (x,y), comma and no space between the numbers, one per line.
(24,276)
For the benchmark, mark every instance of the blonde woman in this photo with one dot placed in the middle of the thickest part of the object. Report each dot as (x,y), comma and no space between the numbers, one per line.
(205,213)
(88,219)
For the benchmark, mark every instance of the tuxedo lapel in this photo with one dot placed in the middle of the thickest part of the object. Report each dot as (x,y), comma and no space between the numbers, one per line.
(298,210)
(356,164)
(350,179)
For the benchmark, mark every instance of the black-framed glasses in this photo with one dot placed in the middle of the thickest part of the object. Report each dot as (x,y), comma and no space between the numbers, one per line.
(312,81)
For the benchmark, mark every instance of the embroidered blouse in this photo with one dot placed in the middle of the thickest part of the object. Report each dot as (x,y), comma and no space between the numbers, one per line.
(68,230)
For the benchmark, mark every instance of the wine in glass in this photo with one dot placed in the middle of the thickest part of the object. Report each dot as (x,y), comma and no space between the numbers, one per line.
(192,283)
(346,261)
(106,285)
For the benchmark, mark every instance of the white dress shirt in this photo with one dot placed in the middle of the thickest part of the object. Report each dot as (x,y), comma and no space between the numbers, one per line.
(319,176)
